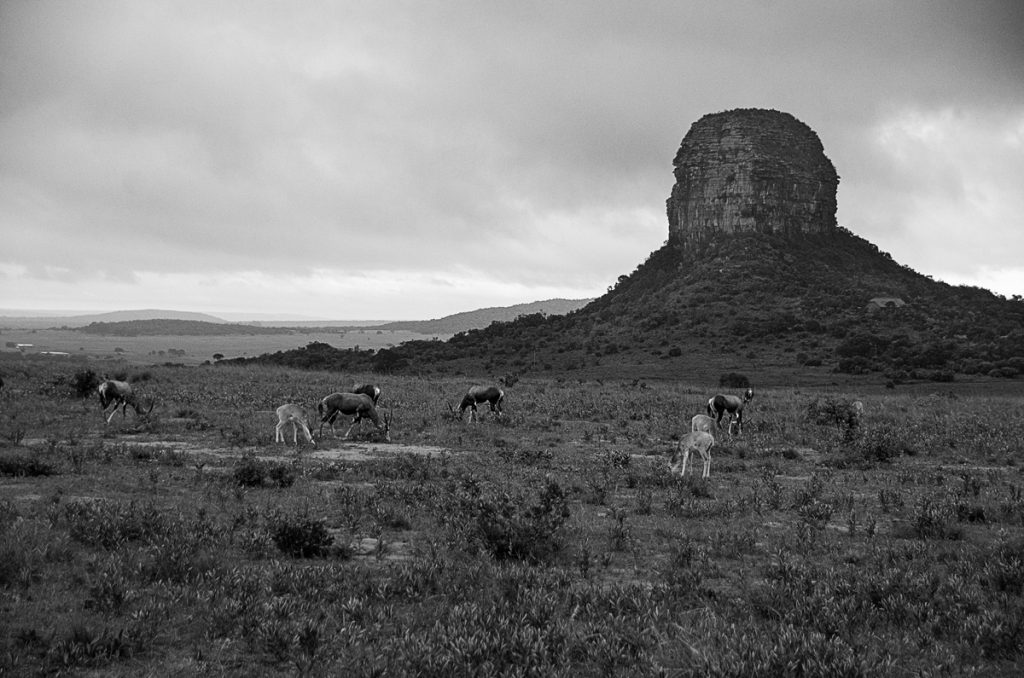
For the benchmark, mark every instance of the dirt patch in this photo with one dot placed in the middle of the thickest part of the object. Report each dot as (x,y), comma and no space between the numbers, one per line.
(345,452)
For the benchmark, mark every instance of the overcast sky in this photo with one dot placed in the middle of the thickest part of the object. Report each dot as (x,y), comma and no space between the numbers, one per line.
(407,160)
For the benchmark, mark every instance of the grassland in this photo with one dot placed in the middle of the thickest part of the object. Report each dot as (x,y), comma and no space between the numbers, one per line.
(186,349)
(553,541)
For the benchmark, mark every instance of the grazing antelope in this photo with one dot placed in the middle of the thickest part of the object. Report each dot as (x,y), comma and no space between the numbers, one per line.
(294,415)
(120,394)
(492,395)
(358,404)
(695,441)
(702,422)
(720,404)
(365,389)
(368,389)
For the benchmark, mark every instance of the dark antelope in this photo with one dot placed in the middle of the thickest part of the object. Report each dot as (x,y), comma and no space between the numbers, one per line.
(368,389)
(294,415)
(119,393)
(364,389)
(492,395)
(720,404)
(358,404)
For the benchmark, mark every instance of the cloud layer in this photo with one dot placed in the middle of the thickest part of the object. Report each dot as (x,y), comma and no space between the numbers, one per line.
(407,160)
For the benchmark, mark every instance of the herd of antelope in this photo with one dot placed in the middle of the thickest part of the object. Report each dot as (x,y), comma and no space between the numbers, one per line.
(361,402)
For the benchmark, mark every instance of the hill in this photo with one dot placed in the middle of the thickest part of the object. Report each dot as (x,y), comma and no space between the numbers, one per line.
(775,308)
(756,278)
(175,327)
(40,320)
(471,320)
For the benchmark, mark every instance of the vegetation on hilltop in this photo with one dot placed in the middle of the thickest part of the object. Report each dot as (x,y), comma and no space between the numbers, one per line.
(470,320)
(172,327)
(801,301)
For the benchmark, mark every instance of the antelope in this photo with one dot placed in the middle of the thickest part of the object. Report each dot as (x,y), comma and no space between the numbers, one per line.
(365,389)
(358,404)
(698,441)
(702,422)
(492,395)
(119,393)
(720,404)
(368,389)
(294,415)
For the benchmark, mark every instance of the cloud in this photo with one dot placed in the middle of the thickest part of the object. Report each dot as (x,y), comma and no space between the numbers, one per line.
(949,186)
(521,147)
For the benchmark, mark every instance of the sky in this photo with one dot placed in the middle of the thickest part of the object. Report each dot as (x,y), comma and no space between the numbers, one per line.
(382,160)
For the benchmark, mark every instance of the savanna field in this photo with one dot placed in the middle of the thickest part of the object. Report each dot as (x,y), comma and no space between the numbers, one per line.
(553,541)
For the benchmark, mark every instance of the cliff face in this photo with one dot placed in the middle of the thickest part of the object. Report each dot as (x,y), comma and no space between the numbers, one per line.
(750,170)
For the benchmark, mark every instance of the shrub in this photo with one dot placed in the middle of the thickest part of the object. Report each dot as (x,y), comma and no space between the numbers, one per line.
(881,444)
(249,472)
(85,383)
(111,524)
(836,411)
(24,465)
(502,527)
(300,536)
(935,520)
(733,380)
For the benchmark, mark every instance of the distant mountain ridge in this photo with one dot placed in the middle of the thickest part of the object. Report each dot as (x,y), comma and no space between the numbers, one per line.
(177,327)
(38,321)
(474,320)
(162,322)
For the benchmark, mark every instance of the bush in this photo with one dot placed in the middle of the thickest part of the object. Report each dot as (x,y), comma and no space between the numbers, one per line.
(300,536)
(85,383)
(251,472)
(840,412)
(500,525)
(881,444)
(24,465)
(733,380)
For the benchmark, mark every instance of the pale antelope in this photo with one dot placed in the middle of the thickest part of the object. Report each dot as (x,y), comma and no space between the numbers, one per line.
(296,416)
(720,404)
(695,441)
(348,404)
(702,422)
(492,395)
(119,393)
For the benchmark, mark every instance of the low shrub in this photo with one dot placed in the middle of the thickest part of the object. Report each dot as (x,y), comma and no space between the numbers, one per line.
(20,465)
(881,444)
(300,536)
(251,472)
(734,380)
(498,523)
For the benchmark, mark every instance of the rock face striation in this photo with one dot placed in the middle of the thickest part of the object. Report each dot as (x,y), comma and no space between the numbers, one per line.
(750,170)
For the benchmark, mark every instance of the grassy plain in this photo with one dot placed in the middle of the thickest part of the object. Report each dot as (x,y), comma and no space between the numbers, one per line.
(191,350)
(553,541)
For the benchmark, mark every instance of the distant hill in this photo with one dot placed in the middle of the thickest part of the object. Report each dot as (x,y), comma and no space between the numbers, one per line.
(777,309)
(41,321)
(473,320)
(175,327)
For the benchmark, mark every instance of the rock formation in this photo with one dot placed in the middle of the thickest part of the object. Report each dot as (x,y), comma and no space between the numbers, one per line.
(751,170)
